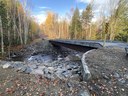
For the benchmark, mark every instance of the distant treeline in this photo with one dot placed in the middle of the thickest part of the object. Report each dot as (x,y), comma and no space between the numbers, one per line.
(76,25)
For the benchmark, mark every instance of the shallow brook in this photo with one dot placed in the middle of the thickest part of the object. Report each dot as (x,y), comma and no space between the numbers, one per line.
(41,58)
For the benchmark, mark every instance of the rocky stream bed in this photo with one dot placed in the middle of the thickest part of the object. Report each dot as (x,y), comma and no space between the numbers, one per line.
(46,71)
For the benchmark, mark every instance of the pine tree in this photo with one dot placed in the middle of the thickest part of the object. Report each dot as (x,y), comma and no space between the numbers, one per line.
(86,20)
(75,27)
(119,21)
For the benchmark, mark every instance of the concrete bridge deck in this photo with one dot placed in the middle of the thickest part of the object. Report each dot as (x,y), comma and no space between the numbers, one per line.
(85,45)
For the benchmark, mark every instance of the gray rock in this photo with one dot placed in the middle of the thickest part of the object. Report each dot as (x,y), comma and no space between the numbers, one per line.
(49,72)
(49,76)
(7,65)
(34,66)
(72,58)
(69,84)
(79,55)
(84,93)
(47,59)
(116,75)
(41,67)
(75,77)
(17,65)
(66,74)
(121,81)
(28,70)
(22,69)
(75,71)
(58,74)
(106,77)
(73,66)
(126,76)
(19,62)
(60,66)
(46,70)
(69,67)
(2,63)
(59,59)
(25,69)
(51,68)
(37,71)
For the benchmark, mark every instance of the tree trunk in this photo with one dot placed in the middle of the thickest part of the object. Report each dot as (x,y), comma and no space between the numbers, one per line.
(9,35)
(20,29)
(59,31)
(90,33)
(25,30)
(2,42)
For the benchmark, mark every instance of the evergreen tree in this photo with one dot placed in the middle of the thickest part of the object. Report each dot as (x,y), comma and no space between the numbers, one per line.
(121,26)
(86,19)
(75,27)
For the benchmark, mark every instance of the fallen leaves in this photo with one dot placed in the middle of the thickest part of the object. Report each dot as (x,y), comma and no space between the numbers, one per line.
(9,90)
(55,82)
(42,94)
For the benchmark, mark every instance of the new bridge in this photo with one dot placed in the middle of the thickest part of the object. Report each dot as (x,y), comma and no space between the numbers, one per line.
(86,45)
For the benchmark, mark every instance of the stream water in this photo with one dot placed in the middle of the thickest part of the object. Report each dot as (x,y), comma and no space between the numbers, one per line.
(41,58)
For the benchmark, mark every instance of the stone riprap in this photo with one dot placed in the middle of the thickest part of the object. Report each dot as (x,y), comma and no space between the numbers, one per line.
(45,65)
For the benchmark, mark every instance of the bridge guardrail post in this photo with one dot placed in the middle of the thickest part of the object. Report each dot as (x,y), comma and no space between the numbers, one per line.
(126,49)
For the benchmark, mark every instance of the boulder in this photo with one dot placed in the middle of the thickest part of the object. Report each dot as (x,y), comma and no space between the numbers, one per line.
(22,69)
(72,58)
(33,66)
(49,76)
(75,77)
(84,93)
(28,70)
(7,65)
(116,75)
(17,65)
(59,72)
(66,74)
(37,71)
(126,76)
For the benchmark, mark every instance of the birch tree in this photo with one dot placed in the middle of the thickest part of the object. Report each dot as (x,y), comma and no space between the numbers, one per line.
(2,42)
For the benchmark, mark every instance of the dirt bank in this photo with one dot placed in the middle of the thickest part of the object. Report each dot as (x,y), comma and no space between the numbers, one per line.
(109,70)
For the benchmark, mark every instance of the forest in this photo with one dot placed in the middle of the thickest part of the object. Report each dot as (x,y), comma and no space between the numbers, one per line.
(18,27)
(79,25)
